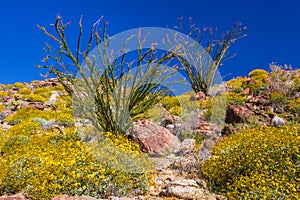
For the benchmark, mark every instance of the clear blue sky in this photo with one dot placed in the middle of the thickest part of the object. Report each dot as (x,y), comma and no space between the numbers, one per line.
(273,28)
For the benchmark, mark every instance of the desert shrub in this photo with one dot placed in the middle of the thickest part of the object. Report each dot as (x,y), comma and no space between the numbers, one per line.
(235,98)
(278,98)
(19,85)
(257,86)
(110,95)
(258,82)
(258,74)
(170,102)
(25,91)
(2,107)
(4,94)
(259,163)
(294,105)
(8,86)
(180,105)
(236,84)
(199,70)
(296,81)
(48,164)
(63,117)
(34,98)
(27,129)
(57,88)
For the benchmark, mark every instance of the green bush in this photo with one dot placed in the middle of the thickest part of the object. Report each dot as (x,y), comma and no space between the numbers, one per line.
(48,164)
(259,163)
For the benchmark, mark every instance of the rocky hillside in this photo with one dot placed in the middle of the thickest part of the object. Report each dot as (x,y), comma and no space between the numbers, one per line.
(178,144)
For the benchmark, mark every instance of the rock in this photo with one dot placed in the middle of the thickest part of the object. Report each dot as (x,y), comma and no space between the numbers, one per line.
(13,197)
(5,114)
(168,119)
(185,189)
(228,130)
(6,126)
(245,91)
(204,152)
(37,105)
(53,98)
(153,139)
(198,96)
(66,197)
(258,100)
(238,114)
(201,125)
(6,99)
(278,121)
(187,145)
(161,163)
(46,83)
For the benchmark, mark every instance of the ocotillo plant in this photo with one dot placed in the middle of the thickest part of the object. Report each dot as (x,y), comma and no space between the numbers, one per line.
(202,58)
(107,90)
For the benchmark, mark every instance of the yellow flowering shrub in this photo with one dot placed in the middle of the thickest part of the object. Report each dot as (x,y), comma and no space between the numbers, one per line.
(34,98)
(63,117)
(259,74)
(44,92)
(177,104)
(50,163)
(4,94)
(235,98)
(2,107)
(294,105)
(236,84)
(19,85)
(25,91)
(259,163)
(296,81)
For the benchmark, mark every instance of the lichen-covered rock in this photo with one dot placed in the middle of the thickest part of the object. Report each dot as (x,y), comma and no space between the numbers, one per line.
(154,139)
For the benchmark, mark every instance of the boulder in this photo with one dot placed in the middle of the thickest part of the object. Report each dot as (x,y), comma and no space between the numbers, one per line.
(187,145)
(198,96)
(66,197)
(13,197)
(278,121)
(238,114)
(37,105)
(154,139)
(186,189)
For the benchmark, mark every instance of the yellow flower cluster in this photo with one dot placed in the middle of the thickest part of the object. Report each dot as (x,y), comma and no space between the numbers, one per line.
(43,163)
(62,117)
(235,98)
(51,163)
(2,107)
(294,105)
(260,163)
(236,84)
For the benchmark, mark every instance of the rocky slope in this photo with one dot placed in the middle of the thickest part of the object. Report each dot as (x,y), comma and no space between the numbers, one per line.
(260,99)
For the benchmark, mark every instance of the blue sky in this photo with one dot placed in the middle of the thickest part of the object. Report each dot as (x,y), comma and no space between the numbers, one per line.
(273,28)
